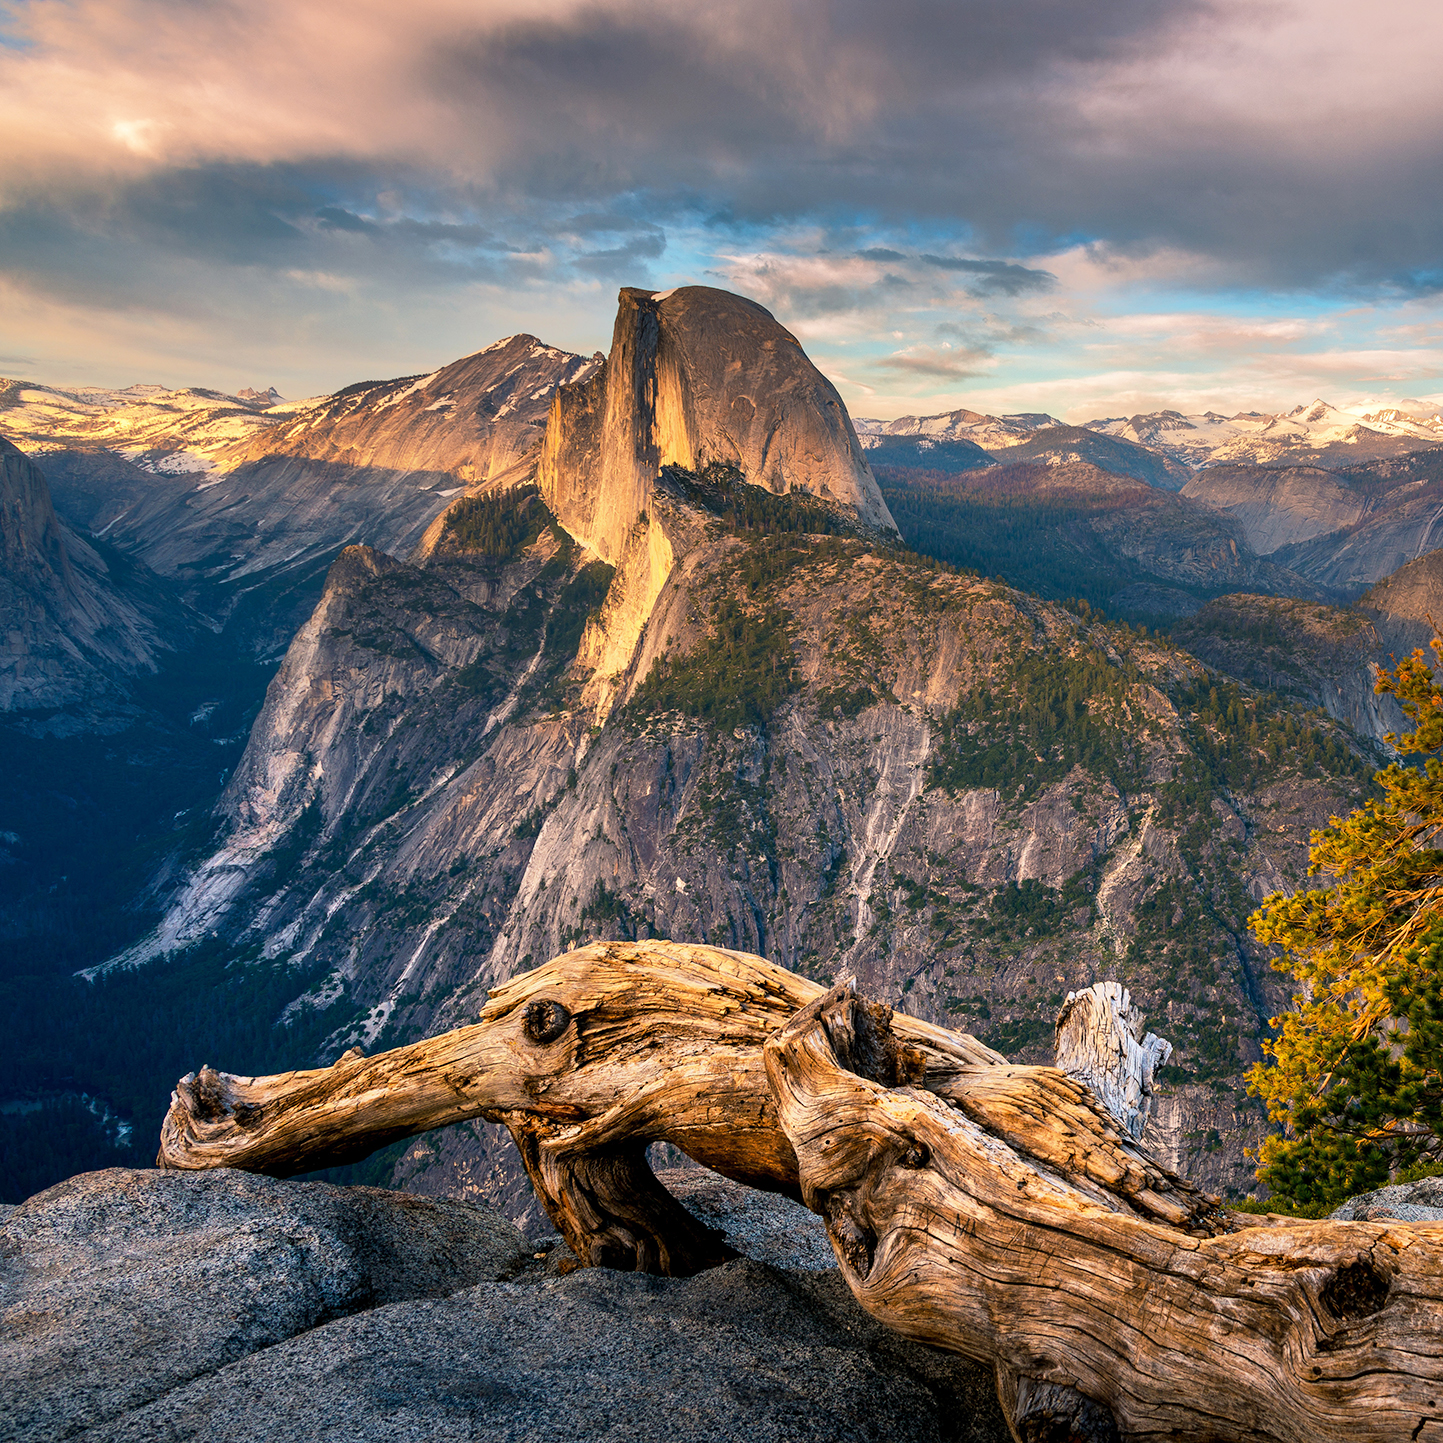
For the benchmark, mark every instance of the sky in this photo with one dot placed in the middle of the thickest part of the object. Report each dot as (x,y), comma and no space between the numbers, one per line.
(1020,205)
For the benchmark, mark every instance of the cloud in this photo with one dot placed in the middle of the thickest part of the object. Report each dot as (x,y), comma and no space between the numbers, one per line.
(937,363)
(995,278)
(1008,178)
(1292,141)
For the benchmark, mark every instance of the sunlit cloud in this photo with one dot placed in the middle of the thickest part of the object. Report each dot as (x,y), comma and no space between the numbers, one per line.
(1041,206)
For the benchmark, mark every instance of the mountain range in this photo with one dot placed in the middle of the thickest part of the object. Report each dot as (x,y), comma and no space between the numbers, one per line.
(1319,434)
(411,687)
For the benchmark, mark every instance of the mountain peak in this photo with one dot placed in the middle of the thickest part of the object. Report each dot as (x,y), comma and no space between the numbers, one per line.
(698,375)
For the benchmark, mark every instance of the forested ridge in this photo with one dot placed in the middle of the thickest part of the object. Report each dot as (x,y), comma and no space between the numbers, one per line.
(107,1052)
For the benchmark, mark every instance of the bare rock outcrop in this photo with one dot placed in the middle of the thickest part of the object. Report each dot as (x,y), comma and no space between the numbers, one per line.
(225,1305)
(119,1287)
(697,375)
(1278,506)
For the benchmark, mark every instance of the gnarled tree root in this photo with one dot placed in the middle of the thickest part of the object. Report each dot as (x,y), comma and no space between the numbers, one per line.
(1103,1322)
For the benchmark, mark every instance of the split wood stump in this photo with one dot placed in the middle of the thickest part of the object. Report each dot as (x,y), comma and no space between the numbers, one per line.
(996,1210)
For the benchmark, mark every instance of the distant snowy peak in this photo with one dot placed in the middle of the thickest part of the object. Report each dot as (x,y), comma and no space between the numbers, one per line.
(990,432)
(181,430)
(1320,433)
(472,416)
(1413,415)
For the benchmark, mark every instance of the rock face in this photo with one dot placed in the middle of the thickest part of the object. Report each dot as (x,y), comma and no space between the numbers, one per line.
(1066,527)
(247,523)
(472,419)
(694,376)
(72,626)
(1414,1202)
(120,1287)
(1341,529)
(1278,506)
(1326,655)
(145,1305)
(1402,604)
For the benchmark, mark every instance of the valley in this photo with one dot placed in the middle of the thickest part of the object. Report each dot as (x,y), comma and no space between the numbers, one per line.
(454,672)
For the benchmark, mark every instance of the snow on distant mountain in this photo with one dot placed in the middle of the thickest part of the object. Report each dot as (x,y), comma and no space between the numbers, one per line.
(1320,434)
(991,433)
(170,432)
(492,402)
(245,501)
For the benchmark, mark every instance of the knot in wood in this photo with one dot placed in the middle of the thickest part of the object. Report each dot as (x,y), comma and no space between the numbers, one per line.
(208,1096)
(1356,1291)
(1056,1413)
(544,1020)
(861,1035)
(856,1242)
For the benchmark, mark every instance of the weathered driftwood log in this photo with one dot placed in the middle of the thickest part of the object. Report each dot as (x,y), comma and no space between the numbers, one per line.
(606,1049)
(1099,1040)
(1102,1323)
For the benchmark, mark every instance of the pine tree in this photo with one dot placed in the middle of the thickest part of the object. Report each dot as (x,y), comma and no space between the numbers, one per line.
(1355,1073)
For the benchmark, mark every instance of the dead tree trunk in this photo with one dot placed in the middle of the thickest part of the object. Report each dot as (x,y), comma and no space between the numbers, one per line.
(604,1050)
(1104,1319)
(587,1060)
(1099,1040)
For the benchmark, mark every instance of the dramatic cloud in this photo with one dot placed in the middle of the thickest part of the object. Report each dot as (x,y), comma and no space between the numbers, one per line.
(1024,172)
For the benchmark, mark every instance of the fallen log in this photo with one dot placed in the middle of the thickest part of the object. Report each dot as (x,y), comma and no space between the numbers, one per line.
(1102,1323)
(595,1055)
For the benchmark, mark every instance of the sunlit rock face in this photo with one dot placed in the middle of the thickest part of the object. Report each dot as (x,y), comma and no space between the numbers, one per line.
(698,375)
(473,419)
(243,505)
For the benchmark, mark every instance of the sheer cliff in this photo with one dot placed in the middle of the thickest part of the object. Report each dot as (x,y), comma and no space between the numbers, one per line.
(74,624)
(1342,529)
(698,376)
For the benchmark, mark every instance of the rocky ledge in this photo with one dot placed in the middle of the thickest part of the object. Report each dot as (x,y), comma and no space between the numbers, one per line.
(1412,1202)
(219,1305)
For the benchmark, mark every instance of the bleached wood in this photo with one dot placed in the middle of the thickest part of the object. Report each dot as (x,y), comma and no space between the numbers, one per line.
(1099,1040)
(1102,1323)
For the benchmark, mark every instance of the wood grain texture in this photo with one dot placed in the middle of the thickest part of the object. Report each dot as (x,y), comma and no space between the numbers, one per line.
(1104,1320)
(604,1050)
(587,1060)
